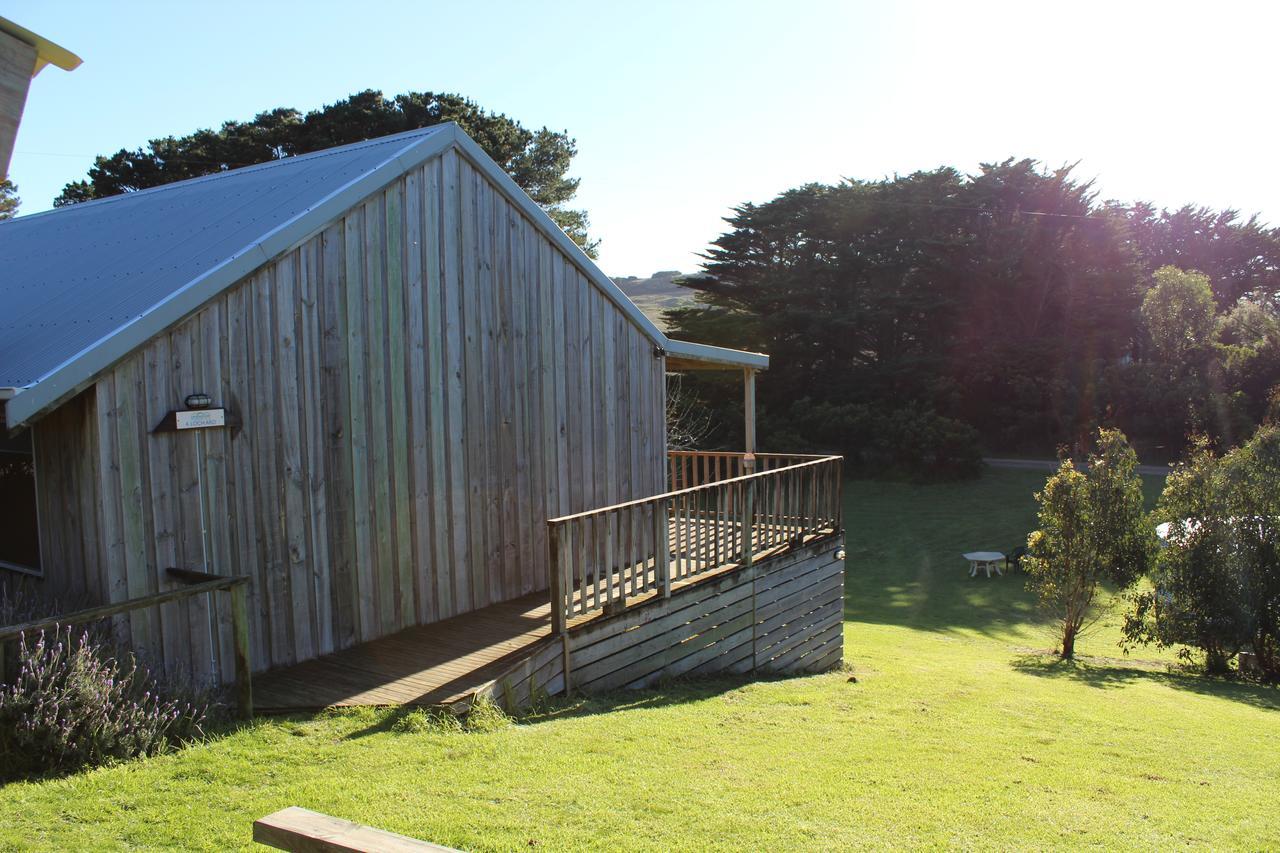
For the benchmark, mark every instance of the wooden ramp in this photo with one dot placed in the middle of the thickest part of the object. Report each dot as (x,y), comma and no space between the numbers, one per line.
(443,663)
(506,651)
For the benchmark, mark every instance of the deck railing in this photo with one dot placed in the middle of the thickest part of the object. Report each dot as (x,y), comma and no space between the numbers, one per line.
(196,583)
(602,557)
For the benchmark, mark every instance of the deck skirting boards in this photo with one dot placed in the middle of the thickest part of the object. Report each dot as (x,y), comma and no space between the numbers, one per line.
(782,615)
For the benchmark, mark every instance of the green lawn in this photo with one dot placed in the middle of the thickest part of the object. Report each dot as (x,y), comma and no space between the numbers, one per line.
(956,733)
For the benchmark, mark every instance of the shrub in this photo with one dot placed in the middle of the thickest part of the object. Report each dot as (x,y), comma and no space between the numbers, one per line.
(72,705)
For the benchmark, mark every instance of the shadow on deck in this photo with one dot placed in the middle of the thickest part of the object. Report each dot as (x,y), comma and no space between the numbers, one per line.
(437,664)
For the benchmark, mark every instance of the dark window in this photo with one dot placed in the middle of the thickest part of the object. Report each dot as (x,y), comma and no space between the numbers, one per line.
(19,533)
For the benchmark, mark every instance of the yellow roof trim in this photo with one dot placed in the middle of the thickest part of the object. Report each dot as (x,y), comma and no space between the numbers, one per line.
(46,51)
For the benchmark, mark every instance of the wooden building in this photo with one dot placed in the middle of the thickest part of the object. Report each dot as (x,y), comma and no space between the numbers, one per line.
(368,379)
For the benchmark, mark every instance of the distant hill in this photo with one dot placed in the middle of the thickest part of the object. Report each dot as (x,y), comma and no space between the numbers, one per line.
(655,294)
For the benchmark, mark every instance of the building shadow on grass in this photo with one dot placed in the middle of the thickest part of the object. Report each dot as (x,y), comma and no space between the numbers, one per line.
(667,694)
(679,691)
(1105,674)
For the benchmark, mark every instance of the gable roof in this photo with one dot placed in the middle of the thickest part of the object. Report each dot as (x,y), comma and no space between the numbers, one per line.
(85,285)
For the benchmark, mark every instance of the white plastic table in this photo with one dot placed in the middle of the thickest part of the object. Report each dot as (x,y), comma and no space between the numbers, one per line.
(987,560)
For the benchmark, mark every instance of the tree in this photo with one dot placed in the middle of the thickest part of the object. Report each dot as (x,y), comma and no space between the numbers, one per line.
(538,160)
(970,297)
(1217,584)
(1093,528)
(1251,473)
(9,200)
(1239,257)
(1196,601)
(688,421)
(1180,315)
(1010,300)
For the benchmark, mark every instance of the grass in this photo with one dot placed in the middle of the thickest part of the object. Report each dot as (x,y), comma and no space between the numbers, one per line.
(955,733)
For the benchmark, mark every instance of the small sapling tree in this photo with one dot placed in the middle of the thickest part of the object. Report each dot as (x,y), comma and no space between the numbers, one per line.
(1093,528)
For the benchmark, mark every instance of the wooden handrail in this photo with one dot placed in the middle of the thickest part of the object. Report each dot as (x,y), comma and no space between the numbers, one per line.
(738,454)
(198,583)
(691,489)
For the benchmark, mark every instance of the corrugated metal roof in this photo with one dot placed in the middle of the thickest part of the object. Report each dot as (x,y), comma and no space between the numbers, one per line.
(73,276)
(83,286)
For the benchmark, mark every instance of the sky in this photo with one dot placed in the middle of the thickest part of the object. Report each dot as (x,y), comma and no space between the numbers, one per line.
(683,110)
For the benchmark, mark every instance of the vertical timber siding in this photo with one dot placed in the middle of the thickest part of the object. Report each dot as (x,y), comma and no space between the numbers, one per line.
(421,385)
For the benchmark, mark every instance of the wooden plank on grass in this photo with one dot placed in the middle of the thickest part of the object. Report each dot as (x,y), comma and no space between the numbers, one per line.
(304,831)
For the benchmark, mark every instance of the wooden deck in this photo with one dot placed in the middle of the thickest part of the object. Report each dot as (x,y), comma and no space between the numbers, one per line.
(437,664)
(443,663)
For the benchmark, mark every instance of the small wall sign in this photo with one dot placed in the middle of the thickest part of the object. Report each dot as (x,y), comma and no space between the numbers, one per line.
(184,419)
(200,418)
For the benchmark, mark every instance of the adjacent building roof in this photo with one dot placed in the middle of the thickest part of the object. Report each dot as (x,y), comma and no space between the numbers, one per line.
(85,285)
(46,51)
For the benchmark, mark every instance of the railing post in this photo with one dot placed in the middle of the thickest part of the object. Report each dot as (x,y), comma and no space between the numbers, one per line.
(662,546)
(749,414)
(748,521)
(559,618)
(837,519)
(240,644)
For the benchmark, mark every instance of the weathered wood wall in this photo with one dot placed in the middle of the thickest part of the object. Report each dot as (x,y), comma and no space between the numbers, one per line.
(421,385)
(783,614)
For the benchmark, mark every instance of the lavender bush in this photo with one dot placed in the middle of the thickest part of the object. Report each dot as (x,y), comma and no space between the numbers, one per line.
(73,705)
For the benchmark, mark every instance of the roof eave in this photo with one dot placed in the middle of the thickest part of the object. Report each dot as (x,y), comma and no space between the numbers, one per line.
(690,356)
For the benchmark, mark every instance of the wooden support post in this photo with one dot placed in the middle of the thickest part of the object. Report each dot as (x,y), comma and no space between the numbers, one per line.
(240,642)
(748,515)
(749,413)
(662,547)
(559,617)
(566,660)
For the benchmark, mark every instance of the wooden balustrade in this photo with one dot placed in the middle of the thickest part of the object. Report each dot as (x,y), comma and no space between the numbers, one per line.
(602,557)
